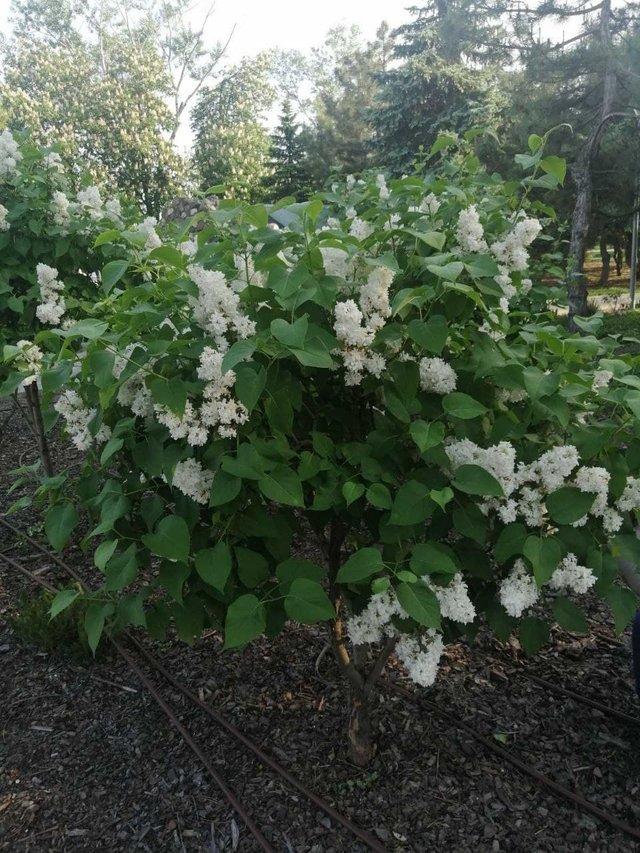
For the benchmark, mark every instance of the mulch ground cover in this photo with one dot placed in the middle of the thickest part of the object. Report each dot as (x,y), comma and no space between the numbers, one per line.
(88,762)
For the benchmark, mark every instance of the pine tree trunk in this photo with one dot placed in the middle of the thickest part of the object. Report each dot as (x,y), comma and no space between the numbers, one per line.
(606,262)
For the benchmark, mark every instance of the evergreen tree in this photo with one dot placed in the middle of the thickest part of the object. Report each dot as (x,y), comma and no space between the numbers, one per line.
(287,171)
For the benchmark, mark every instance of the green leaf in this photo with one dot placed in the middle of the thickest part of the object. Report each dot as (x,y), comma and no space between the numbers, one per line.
(253,569)
(544,553)
(462,406)
(540,384)
(214,565)
(352,491)
(293,568)
(379,496)
(431,335)
(623,604)
(246,619)
(89,329)
(249,385)
(474,480)
(307,602)
(569,616)
(112,273)
(555,166)
(420,603)
(534,142)
(283,486)
(449,272)
(240,351)
(59,522)
(510,542)
(412,504)
(290,334)
(171,539)
(442,497)
(533,634)
(427,435)
(226,487)
(171,393)
(470,522)
(94,622)
(432,558)
(101,364)
(569,504)
(62,600)
(121,570)
(360,566)
(111,447)
(173,576)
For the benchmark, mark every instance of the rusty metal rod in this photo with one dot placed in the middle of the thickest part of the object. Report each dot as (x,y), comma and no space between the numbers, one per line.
(505,755)
(220,782)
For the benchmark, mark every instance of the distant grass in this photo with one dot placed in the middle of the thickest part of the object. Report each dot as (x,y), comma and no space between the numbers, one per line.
(627,324)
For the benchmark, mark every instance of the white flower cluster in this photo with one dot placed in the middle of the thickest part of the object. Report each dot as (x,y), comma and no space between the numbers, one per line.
(533,482)
(10,155)
(53,161)
(188,248)
(454,600)
(374,623)
(30,360)
(630,498)
(219,409)
(511,252)
(421,663)
(336,262)
(436,376)
(246,272)
(571,577)
(217,309)
(518,591)
(91,201)
(601,380)
(469,231)
(78,417)
(52,307)
(429,205)
(60,208)
(356,327)
(193,480)
(360,229)
(148,228)
(4,225)
(381,183)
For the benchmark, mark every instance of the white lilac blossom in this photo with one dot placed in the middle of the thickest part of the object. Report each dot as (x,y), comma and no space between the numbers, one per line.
(351,182)
(148,228)
(436,376)
(53,162)
(134,394)
(219,409)
(361,229)
(421,662)
(601,380)
(518,591)
(454,600)
(113,209)
(499,460)
(392,222)
(336,262)
(52,307)
(525,286)
(571,577)
(217,309)
(188,248)
(552,468)
(245,272)
(469,231)
(10,155)
(77,419)
(4,225)
(187,425)
(60,208)
(29,360)
(511,252)
(629,500)
(594,480)
(374,622)
(193,480)
(355,327)
(91,201)
(381,183)
(429,205)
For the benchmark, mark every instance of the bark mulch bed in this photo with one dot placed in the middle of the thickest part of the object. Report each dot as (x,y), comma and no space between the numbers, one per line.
(88,762)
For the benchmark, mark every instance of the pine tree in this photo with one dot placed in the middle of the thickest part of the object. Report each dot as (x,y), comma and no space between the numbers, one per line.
(287,169)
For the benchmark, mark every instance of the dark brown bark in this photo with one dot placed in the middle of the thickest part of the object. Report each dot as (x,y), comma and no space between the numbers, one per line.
(606,261)
(576,284)
(37,425)
(359,733)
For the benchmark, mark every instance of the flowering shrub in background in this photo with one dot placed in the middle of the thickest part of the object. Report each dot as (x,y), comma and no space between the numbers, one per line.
(376,376)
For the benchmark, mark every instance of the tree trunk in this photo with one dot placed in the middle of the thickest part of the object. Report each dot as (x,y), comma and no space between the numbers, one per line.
(576,285)
(35,411)
(606,261)
(360,732)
